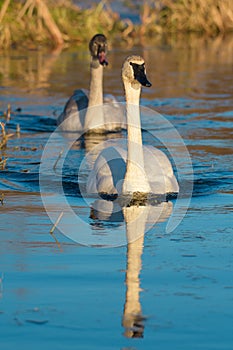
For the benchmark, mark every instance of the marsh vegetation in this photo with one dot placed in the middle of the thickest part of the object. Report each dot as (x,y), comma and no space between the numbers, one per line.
(30,23)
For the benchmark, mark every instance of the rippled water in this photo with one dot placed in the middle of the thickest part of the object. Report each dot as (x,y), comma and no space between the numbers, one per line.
(168,290)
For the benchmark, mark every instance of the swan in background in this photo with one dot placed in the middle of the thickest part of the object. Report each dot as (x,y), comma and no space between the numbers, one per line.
(79,114)
(134,168)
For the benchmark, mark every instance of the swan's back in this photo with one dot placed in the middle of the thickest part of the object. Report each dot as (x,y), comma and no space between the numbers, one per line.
(72,119)
(110,166)
(108,172)
(159,171)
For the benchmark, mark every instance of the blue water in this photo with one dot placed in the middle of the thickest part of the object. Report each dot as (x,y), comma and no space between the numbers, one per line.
(58,293)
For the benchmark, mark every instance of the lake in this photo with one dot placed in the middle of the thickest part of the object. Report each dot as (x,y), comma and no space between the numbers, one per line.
(87,288)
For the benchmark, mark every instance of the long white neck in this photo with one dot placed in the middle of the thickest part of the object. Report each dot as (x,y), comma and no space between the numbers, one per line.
(135,177)
(94,115)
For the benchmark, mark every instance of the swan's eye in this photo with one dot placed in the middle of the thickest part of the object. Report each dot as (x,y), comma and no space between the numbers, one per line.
(140,73)
(103,47)
(138,68)
(141,67)
(100,47)
(95,46)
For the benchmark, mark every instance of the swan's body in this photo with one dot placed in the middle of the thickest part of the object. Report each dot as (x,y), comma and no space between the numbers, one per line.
(83,112)
(134,168)
(109,172)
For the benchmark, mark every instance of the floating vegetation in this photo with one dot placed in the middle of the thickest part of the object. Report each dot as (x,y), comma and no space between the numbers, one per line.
(53,228)
(56,223)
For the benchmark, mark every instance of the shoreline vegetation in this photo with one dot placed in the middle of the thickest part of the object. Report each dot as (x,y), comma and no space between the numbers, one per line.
(55,23)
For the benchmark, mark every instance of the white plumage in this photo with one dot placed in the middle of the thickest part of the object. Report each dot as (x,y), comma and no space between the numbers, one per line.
(84,111)
(126,169)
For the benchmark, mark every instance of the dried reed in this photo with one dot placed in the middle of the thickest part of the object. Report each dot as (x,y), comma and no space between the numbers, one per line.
(53,228)
(59,22)
(2,202)
(54,23)
(4,136)
(204,16)
(3,163)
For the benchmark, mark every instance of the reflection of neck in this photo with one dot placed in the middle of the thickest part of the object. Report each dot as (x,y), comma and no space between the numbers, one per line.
(94,117)
(135,177)
(135,218)
(132,309)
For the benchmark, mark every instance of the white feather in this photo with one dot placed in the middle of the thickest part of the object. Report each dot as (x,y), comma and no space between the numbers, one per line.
(132,168)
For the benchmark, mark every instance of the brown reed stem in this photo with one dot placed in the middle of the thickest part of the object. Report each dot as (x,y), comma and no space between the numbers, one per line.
(4,9)
(44,13)
(58,158)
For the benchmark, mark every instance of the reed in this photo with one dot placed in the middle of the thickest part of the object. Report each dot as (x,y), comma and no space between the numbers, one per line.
(3,163)
(4,137)
(53,228)
(204,16)
(30,23)
(53,23)
(57,160)
(2,203)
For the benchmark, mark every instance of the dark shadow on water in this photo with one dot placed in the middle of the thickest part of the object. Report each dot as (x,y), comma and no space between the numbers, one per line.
(32,123)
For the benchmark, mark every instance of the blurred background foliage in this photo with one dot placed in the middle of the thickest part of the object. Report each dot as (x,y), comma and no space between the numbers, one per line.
(29,23)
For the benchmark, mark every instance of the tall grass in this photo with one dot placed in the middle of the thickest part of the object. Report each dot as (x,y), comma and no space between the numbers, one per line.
(79,25)
(34,22)
(203,16)
(30,23)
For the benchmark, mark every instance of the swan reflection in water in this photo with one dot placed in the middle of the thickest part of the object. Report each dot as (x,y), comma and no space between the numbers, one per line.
(138,220)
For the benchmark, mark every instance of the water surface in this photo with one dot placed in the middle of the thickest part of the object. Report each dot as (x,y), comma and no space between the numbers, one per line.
(167,290)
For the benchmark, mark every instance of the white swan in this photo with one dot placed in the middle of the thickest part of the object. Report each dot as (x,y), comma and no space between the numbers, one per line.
(134,168)
(80,113)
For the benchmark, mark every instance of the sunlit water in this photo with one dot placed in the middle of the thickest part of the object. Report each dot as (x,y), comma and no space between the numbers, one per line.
(167,290)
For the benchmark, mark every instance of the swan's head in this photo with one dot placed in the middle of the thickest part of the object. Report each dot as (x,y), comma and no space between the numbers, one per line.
(134,72)
(98,49)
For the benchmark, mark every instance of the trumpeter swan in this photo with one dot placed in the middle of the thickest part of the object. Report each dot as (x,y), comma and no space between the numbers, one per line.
(84,112)
(135,168)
